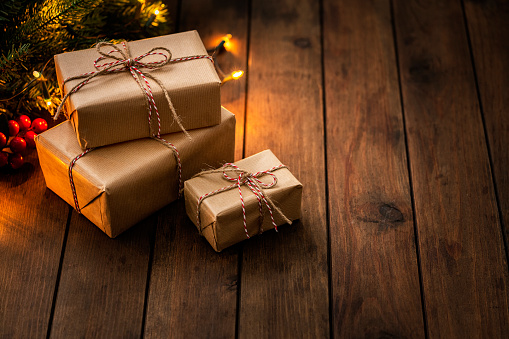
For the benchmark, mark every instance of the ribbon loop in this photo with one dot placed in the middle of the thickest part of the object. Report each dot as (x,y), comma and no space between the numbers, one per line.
(124,62)
(110,54)
(248,176)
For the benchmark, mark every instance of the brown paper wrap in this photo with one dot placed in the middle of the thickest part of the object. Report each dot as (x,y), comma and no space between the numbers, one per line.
(221,214)
(111,108)
(121,184)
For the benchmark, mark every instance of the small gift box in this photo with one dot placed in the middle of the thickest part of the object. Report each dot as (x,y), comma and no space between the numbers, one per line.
(119,185)
(128,91)
(239,200)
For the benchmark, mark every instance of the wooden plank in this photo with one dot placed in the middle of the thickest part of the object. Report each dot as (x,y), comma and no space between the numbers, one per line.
(193,290)
(375,275)
(465,278)
(103,282)
(32,227)
(284,280)
(489,34)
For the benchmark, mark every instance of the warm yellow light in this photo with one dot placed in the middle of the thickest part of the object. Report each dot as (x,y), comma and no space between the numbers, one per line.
(156,12)
(227,43)
(36,74)
(233,76)
(237,74)
(48,102)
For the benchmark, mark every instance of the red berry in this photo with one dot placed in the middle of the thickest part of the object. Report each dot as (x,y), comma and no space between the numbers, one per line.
(3,159)
(3,140)
(18,145)
(39,125)
(16,161)
(13,127)
(29,138)
(24,122)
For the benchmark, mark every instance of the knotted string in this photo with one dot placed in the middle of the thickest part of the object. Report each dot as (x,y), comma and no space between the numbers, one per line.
(126,63)
(243,177)
(71,179)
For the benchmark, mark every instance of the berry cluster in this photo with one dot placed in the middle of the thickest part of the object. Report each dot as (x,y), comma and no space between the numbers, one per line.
(21,138)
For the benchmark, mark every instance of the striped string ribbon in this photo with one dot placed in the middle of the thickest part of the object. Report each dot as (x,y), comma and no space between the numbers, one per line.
(164,142)
(255,185)
(71,179)
(122,63)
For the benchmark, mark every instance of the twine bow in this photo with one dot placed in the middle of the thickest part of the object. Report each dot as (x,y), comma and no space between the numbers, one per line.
(252,181)
(122,61)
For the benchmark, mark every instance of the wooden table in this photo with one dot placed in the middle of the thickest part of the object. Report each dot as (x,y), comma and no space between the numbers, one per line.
(393,114)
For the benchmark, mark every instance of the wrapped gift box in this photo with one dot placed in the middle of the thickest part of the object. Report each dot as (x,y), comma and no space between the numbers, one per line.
(221,215)
(119,185)
(112,108)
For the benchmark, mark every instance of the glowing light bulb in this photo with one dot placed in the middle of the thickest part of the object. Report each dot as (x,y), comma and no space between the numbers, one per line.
(233,76)
(36,74)
(237,74)
(48,102)
(156,12)
(227,43)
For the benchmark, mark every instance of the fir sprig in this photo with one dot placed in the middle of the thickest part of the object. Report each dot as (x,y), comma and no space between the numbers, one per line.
(32,31)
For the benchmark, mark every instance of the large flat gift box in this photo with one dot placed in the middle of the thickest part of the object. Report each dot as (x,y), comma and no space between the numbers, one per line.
(221,216)
(119,185)
(112,108)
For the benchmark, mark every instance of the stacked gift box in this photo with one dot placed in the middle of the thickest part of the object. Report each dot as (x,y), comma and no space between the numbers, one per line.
(143,118)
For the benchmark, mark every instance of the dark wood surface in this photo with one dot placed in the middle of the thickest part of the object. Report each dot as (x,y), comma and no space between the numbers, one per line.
(284,278)
(393,115)
(459,233)
(373,256)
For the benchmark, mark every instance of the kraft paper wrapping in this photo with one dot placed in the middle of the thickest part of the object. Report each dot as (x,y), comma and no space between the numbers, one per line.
(112,108)
(221,215)
(119,185)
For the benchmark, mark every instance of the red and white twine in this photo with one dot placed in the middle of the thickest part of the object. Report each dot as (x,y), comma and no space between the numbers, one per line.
(255,185)
(166,143)
(71,179)
(179,163)
(125,63)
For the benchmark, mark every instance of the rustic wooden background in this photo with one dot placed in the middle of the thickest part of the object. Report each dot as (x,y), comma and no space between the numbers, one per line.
(393,114)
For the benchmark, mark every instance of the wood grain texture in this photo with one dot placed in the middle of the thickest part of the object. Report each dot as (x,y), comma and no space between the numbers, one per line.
(193,290)
(32,228)
(214,20)
(489,34)
(375,275)
(465,277)
(102,286)
(284,279)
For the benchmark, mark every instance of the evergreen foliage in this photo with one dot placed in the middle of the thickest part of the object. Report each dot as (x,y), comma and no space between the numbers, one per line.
(32,31)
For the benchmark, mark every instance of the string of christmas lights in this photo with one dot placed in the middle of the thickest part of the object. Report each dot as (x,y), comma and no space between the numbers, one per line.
(51,102)
(224,45)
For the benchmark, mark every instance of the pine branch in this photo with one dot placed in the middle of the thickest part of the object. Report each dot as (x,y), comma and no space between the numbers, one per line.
(7,62)
(32,31)
(59,14)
